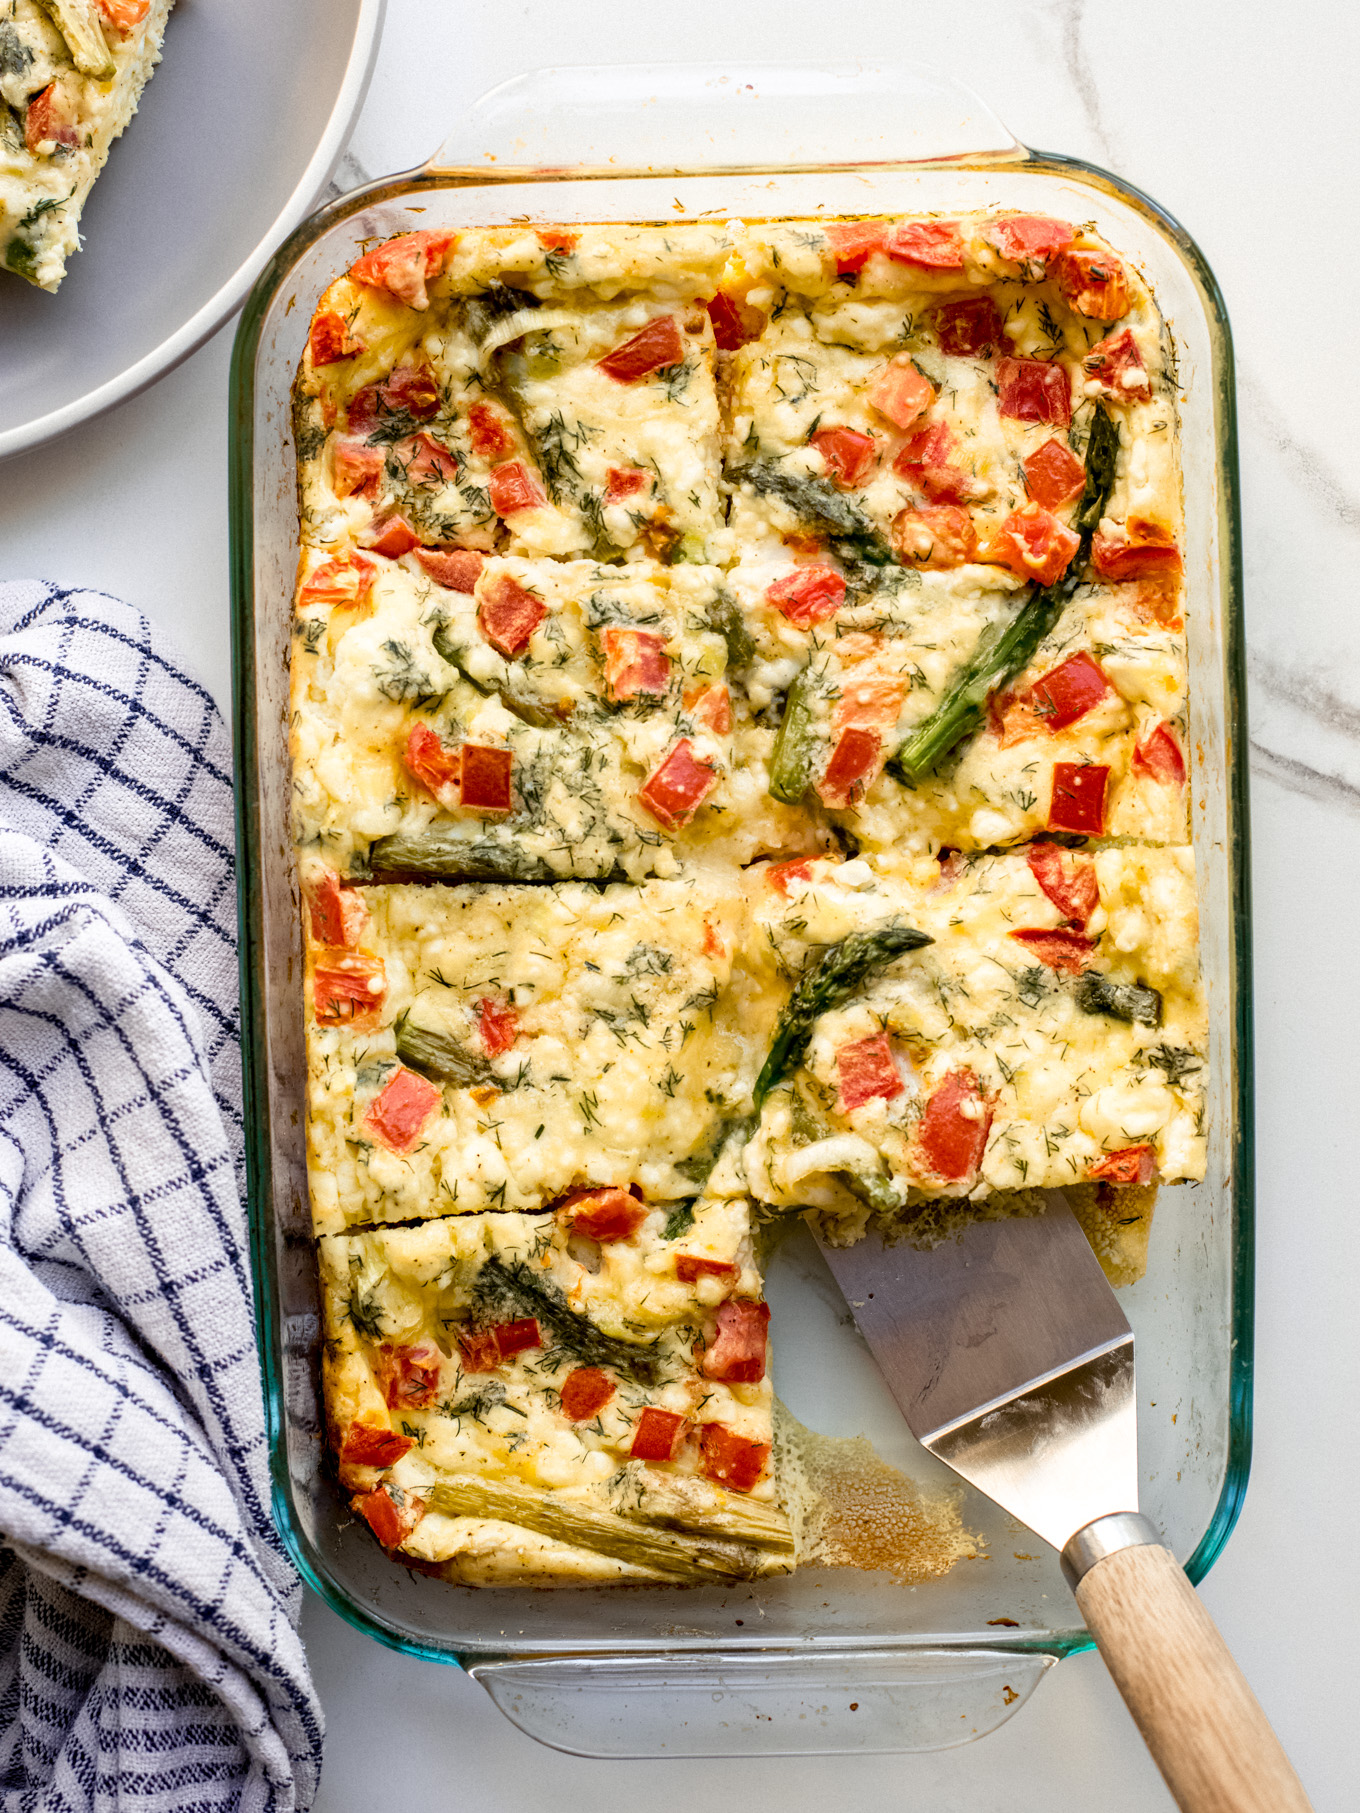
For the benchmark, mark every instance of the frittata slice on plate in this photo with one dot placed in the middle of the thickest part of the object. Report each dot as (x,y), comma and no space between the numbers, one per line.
(1087,737)
(487,1047)
(558,1399)
(1052,1033)
(464,715)
(71,74)
(517,393)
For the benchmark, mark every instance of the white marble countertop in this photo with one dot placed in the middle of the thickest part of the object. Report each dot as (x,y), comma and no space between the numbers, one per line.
(1241,122)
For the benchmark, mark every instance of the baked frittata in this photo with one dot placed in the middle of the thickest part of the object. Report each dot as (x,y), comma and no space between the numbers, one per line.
(740,750)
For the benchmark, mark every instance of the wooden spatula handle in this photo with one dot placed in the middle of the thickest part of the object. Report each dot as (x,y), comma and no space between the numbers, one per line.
(1201,1721)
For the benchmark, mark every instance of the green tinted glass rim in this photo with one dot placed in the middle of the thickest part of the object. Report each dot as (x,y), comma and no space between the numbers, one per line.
(1058,1643)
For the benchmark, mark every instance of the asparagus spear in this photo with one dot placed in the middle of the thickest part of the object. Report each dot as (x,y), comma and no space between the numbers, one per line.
(848,532)
(519,703)
(838,975)
(791,763)
(725,618)
(438,1055)
(1001,654)
(509,1284)
(442,853)
(1119,1000)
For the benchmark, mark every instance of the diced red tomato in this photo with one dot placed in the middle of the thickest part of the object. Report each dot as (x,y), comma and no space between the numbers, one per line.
(931,445)
(457,569)
(409,1376)
(497,1022)
(1145,550)
(780,874)
(1071,886)
(49,121)
(585,1393)
(1034,390)
(656,346)
(517,1337)
(935,536)
(366,1446)
(736,1355)
(405,265)
(635,661)
(428,461)
(928,245)
(124,14)
(1077,803)
(924,461)
(900,392)
(867,1072)
(490,432)
(870,703)
(690,1267)
(658,1434)
(853,243)
(1054,475)
(674,791)
(485,782)
(1067,692)
(411,390)
(338,915)
(970,329)
(390,1522)
(508,615)
(1117,366)
(513,488)
(730,327)
(1014,718)
(557,239)
(711,706)
(390,535)
(852,768)
(355,466)
(1066,952)
(1034,544)
(329,340)
(625,482)
(1094,284)
(430,759)
(953,1132)
(402,1108)
(604,1214)
(347,989)
(847,453)
(809,594)
(730,1459)
(1131,1164)
(1159,755)
(1030,238)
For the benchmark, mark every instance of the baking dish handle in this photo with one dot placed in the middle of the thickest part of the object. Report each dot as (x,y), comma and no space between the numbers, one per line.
(658,118)
(712,1704)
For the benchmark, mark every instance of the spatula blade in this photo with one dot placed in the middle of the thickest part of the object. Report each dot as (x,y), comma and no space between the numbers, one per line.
(1011,1360)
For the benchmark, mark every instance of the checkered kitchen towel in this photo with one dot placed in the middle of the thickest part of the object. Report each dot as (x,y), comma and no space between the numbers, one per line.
(149,1657)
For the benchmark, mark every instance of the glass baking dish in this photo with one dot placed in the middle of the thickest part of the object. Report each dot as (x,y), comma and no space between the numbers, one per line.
(824,1660)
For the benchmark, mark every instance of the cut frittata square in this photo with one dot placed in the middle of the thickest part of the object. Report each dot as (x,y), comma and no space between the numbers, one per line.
(469,716)
(487,1047)
(563,1398)
(1050,1030)
(71,74)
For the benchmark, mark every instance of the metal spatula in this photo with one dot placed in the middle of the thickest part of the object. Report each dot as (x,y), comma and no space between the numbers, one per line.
(1011,1360)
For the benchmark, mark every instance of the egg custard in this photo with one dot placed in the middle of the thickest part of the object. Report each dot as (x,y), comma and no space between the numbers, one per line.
(740,729)
(71,74)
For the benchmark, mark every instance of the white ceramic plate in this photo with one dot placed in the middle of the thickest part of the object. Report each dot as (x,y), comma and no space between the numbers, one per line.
(237,134)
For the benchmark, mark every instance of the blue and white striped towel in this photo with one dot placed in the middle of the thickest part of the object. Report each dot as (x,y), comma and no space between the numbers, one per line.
(149,1656)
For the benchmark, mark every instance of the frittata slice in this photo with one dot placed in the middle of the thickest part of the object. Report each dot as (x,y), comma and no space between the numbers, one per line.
(558,1399)
(487,1047)
(1052,1032)
(71,74)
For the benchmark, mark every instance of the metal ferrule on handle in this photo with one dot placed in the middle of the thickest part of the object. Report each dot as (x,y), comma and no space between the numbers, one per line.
(1104,1536)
